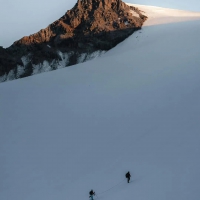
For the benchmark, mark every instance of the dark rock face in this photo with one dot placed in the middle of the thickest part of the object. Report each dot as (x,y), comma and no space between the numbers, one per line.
(90,26)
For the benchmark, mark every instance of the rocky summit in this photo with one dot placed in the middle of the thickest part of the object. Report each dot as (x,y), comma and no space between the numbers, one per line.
(90,28)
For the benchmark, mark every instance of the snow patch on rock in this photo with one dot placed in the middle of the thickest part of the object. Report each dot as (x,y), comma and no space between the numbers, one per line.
(134,14)
(42,67)
(11,75)
(25,60)
(20,71)
(85,57)
(64,60)
(3,78)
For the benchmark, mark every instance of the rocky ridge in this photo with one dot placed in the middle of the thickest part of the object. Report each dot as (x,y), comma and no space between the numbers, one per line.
(84,32)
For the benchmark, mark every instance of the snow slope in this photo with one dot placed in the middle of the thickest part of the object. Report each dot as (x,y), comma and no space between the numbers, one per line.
(135,108)
(158,15)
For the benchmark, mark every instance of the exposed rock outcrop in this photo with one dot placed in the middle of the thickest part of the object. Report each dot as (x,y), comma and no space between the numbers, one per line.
(90,26)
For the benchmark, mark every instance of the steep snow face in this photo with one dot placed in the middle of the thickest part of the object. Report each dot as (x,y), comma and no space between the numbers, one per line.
(135,108)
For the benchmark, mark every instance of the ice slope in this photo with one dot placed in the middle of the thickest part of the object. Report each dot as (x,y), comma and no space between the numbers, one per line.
(136,108)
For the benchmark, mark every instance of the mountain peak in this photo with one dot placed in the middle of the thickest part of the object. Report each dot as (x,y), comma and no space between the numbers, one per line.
(91,25)
(87,17)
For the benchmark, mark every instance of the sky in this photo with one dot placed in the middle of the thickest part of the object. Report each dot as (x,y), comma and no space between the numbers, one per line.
(20,18)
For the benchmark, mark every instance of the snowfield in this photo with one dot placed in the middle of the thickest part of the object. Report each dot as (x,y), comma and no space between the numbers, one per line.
(158,15)
(79,128)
